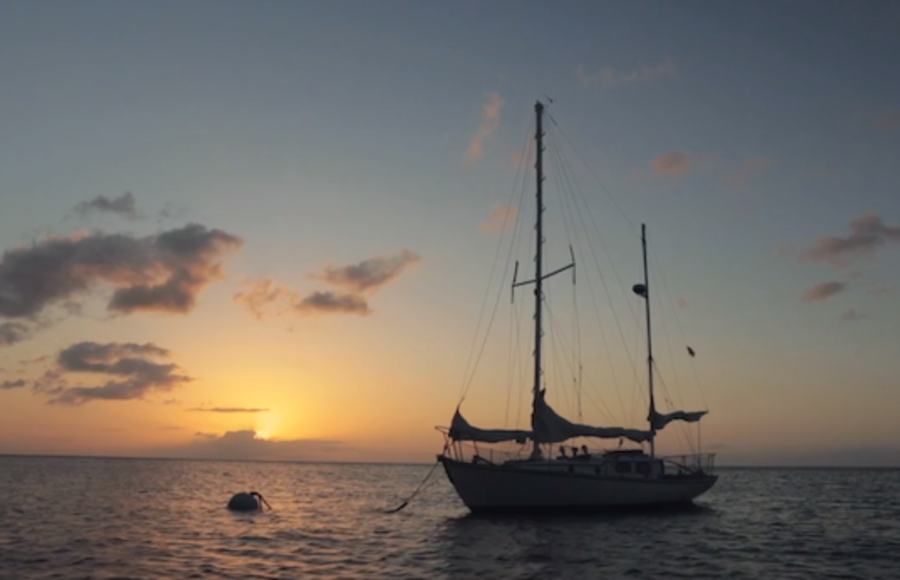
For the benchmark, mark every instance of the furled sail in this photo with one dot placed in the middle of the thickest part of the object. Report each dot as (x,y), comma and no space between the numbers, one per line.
(660,420)
(550,427)
(461,430)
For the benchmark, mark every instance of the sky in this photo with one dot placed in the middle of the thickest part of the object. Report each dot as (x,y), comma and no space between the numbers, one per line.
(267,229)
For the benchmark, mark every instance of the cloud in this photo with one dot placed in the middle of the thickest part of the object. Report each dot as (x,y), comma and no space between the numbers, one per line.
(852,315)
(227,410)
(163,272)
(608,78)
(333,302)
(353,282)
(501,218)
(490,119)
(130,370)
(17,384)
(123,206)
(264,294)
(823,291)
(13,332)
(672,164)
(868,233)
(246,445)
(370,273)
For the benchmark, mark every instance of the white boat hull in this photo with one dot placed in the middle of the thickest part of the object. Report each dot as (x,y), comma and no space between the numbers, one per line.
(484,487)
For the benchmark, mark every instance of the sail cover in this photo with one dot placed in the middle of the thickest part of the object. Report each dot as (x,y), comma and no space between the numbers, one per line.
(461,430)
(660,420)
(550,427)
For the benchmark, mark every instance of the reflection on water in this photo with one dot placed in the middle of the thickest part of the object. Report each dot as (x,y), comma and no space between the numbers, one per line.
(104,518)
(566,546)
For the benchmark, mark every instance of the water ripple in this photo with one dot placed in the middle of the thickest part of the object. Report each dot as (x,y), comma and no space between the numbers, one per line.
(112,518)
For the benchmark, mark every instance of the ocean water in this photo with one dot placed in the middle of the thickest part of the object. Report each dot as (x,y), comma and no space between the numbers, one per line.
(130,518)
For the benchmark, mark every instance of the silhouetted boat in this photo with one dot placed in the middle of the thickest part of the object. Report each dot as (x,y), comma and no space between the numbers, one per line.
(537,480)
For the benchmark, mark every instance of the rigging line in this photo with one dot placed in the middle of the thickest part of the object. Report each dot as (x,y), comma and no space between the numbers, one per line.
(680,398)
(509,365)
(557,367)
(685,432)
(606,346)
(570,225)
(591,171)
(555,338)
(467,380)
(600,324)
(587,209)
(639,392)
(666,392)
(693,364)
(662,315)
(608,413)
(567,228)
(621,211)
(607,293)
(522,362)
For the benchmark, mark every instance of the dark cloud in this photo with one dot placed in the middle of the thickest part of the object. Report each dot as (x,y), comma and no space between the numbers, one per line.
(17,384)
(123,205)
(868,233)
(333,302)
(371,273)
(13,332)
(132,373)
(354,283)
(246,445)
(163,272)
(823,291)
(227,410)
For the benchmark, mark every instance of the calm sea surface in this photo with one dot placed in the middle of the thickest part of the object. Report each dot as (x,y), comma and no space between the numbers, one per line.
(121,518)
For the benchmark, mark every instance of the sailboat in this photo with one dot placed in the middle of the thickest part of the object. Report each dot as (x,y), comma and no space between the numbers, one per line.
(590,480)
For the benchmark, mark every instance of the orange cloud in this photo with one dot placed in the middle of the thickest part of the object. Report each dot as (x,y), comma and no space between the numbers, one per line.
(608,78)
(262,295)
(499,220)
(489,122)
(823,291)
(355,282)
(672,163)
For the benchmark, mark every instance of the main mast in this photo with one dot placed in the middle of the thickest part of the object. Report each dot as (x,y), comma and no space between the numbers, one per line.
(646,289)
(538,263)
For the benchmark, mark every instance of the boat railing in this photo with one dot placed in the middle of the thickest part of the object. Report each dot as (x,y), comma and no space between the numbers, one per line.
(469,451)
(690,464)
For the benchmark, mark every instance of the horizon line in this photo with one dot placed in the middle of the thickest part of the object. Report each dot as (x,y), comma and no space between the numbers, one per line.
(404,463)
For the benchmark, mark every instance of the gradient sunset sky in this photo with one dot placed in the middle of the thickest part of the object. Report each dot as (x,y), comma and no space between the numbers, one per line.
(262,229)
